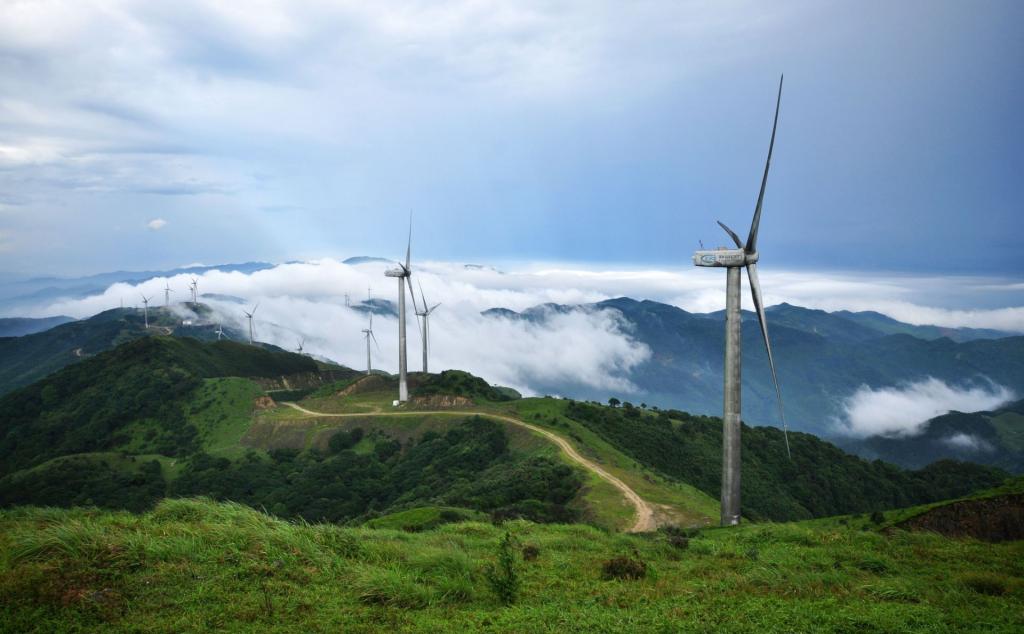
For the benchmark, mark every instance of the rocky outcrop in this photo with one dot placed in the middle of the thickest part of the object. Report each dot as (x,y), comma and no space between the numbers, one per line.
(441,401)
(264,402)
(994,519)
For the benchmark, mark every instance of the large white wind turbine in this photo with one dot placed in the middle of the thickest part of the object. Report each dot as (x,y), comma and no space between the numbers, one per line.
(194,285)
(424,313)
(167,294)
(403,273)
(220,331)
(744,255)
(249,315)
(145,309)
(368,334)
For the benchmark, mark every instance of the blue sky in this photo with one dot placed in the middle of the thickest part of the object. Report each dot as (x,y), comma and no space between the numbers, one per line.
(597,132)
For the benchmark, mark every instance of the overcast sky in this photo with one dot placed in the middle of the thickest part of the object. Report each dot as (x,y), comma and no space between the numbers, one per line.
(143,135)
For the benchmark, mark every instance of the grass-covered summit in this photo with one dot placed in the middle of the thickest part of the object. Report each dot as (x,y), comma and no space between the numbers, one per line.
(196,565)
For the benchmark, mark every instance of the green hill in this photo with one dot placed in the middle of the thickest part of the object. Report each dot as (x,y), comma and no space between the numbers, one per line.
(90,406)
(993,438)
(162,416)
(196,565)
(26,359)
(820,479)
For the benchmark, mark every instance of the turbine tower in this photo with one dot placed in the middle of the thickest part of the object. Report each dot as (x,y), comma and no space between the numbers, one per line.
(249,315)
(194,285)
(403,273)
(744,255)
(425,326)
(145,309)
(368,334)
(167,294)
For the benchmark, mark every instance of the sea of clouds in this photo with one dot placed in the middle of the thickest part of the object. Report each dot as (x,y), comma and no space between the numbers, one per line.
(592,348)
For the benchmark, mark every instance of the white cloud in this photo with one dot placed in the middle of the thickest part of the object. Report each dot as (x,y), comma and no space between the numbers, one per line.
(156,224)
(968,442)
(592,349)
(902,410)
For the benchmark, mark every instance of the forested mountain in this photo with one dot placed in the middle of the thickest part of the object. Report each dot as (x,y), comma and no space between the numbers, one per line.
(160,416)
(818,480)
(31,357)
(19,326)
(993,438)
(822,358)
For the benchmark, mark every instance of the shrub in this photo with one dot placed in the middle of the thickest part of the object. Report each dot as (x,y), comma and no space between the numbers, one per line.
(530,552)
(877,517)
(984,583)
(873,564)
(502,575)
(624,567)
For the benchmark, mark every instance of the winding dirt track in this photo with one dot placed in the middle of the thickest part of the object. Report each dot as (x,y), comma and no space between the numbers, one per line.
(644,513)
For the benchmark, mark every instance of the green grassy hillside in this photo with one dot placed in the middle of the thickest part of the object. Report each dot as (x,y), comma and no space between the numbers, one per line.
(818,481)
(194,565)
(166,416)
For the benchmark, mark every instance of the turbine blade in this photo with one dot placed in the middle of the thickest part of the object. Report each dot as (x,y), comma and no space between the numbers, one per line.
(434,306)
(752,238)
(732,234)
(422,296)
(255,307)
(415,308)
(408,248)
(755,291)
(375,340)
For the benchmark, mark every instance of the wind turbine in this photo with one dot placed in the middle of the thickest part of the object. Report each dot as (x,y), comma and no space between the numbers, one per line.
(301,342)
(167,294)
(220,331)
(145,309)
(425,329)
(195,290)
(403,273)
(249,315)
(368,333)
(744,255)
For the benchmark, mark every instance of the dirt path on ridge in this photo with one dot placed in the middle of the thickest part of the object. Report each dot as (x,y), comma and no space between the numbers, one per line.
(644,516)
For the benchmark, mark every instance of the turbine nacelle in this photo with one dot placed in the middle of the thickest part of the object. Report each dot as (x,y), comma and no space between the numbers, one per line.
(399,272)
(724,257)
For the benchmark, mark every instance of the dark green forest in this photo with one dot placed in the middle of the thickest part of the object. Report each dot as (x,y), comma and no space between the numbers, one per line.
(468,466)
(819,481)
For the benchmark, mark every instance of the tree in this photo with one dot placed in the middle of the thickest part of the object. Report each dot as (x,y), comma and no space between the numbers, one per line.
(614,402)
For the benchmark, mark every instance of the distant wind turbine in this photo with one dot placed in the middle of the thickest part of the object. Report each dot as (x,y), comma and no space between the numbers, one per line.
(249,315)
(145,309)
(368,334)
(195,290)
(425,326)
(301,342)
(744,255)
(167,294)
(403,273)
(220,331)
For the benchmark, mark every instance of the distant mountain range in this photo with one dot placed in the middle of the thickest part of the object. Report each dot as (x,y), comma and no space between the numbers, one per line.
(822,358)
(19,326)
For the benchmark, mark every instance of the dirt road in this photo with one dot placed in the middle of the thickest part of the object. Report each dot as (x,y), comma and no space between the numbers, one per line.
(644,517)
